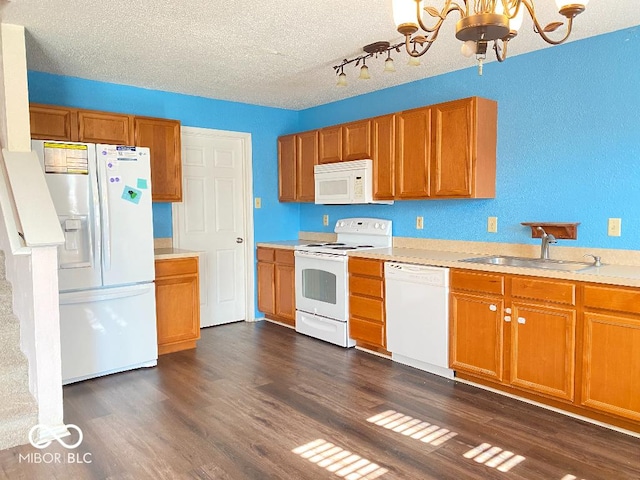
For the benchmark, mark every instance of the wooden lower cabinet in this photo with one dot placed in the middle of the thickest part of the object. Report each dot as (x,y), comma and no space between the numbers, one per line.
(476,335)
(571,345)
(367,324)
(276,284)
(611,352)
(177,304)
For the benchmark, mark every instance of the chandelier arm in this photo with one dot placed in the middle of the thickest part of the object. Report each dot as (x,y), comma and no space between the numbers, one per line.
(540,30)
(446,10)
(501,57)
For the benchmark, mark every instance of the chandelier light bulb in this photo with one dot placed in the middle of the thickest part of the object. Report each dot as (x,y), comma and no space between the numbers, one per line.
(389,66)
(413,61)
(468,48)
(342,80)
(404,12)
(364,73)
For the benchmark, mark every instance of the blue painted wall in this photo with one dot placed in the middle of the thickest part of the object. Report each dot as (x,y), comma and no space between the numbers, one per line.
(274,220)
(568,145)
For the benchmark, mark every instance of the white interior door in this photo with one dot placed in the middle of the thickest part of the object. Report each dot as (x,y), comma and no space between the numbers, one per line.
(213,218)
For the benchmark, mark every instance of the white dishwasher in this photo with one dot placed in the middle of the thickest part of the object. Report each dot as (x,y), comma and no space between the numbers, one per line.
(417,304)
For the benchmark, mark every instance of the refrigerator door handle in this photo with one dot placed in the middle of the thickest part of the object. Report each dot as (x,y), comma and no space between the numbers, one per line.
(104,205)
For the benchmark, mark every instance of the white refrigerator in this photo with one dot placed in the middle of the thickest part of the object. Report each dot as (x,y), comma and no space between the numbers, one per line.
(102,195)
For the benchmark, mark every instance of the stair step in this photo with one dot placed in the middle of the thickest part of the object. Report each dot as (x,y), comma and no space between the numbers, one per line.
(6,298)
(17,416)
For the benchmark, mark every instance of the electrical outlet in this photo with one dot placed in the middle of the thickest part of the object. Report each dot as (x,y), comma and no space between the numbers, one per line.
(492,224)
(419,223)
(258,202)
(325,220)
(614,228)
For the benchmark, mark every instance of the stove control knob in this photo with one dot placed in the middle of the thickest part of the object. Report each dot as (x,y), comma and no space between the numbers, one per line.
(377,225)
(383,226)
(342,224)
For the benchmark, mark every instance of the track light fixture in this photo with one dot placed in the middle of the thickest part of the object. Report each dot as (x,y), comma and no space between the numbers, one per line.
(372,50)
(481,22)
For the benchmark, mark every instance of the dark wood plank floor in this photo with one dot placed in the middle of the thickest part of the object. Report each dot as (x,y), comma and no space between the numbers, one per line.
(258,401)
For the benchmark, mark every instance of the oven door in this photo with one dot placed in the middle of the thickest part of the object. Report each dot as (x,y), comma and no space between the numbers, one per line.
(321,284)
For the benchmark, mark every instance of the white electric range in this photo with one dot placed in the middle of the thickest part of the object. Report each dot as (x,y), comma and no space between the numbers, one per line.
(322,288)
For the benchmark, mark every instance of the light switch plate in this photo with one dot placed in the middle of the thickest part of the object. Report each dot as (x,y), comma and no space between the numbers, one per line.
(258,202)
(614,228)
(492,224)
(325,220)
(419,223)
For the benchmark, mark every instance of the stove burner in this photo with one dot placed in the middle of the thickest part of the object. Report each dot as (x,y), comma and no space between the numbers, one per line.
(344,248)
(332,244)
(314,245)
(364,246)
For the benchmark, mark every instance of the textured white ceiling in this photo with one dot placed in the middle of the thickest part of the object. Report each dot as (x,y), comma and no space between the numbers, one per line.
(271,52)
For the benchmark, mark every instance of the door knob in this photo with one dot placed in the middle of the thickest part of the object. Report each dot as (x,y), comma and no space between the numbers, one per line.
(239,240)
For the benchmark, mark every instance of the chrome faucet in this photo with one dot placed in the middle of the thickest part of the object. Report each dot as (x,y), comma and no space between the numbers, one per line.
(547,239)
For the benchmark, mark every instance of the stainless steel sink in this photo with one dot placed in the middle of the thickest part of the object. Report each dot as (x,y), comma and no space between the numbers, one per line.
(525,262)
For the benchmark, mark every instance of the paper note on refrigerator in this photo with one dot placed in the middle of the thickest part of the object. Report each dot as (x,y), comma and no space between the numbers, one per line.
(65,158)
(142,183)
(131,194)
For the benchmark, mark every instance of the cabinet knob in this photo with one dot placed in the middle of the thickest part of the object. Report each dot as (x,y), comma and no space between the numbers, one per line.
(507,318)
(522,320)
(507,310)
(493,308)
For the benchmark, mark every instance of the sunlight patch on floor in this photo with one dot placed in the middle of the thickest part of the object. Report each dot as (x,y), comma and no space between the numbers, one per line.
(570,477)
(494,457)
(339,461)
(412,427)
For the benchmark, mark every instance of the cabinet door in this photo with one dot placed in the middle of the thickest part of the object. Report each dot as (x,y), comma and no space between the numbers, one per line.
(476,335)
(383,156)
(611,367)
(356,140)
(287,168)
(330,144)
(307,158)
(177,304)
(53,123)
(266,288)
(285,280)
(543,349)
(163,139)
(413,153)
(100,127)
(452,160)
(371,333)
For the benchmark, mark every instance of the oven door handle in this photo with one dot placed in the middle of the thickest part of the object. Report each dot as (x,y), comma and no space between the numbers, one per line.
(323,256)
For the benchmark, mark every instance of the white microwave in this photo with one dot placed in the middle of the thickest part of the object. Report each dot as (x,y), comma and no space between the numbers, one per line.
(344,183)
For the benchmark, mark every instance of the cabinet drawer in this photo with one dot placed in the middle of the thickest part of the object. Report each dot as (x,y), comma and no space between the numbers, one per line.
(176,266)
(477,282)
(365,331)
(370,308)
(617,299)
(284,257)
(371,287)
(265,254)
(365,266)
(544,290)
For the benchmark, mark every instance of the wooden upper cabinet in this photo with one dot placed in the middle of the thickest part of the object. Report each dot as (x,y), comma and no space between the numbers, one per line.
(306,158)
(413,153)
(356,140)
(53,123)
(330,144)
(463,160)
(163,139)
(287,169)
(383,155)
(102,127)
